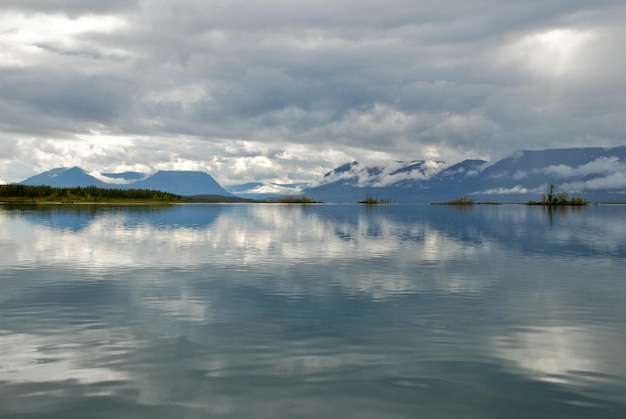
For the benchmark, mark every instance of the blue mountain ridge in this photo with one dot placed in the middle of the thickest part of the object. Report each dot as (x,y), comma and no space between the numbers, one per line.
(185,183)
(63,177)
(598,174)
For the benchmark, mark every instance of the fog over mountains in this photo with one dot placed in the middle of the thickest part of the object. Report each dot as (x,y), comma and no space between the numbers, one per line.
(598,174)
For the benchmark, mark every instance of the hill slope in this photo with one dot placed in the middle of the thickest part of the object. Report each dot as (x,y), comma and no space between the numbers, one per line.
(597,173)
(64,177)
(183,183)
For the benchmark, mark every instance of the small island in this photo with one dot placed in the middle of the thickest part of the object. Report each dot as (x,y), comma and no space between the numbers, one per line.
(465,201)
(295,200)
(559,199)
(373,201)
(460,201)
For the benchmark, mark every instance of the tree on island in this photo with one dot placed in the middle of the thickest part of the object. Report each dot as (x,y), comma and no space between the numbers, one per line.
(559,199)
(461,200)
(370,200)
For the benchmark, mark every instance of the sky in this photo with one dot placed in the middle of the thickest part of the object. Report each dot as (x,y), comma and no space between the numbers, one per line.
(284,91)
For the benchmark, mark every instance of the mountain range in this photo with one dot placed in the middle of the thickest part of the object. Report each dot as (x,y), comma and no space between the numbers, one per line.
(598,174)
(186,183)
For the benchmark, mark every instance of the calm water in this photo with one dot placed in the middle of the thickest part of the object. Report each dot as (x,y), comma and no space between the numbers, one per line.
(325,311)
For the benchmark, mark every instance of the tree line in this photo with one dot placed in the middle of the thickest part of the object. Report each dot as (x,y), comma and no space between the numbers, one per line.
(79,193)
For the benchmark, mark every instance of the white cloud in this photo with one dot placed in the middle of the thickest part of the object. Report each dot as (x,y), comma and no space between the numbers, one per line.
(601,173)
(612,181)
(518,189)
(273,188)
(600,166)
(324,81)
(422,172)
(556,52)
(519,175)
(108,179)
(374,176)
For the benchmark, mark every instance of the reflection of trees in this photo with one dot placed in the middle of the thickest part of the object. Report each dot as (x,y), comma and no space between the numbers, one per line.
(559,211)
(78,216)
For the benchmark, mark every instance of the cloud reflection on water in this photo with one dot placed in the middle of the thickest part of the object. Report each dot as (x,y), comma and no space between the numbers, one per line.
(213,298)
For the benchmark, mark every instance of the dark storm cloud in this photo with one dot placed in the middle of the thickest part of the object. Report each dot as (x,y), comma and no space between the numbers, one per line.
(450,79)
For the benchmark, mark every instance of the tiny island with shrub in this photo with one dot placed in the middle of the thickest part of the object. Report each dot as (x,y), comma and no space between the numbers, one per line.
(559,199)
(295,200)
(552,198)
(463,201)
(369,200)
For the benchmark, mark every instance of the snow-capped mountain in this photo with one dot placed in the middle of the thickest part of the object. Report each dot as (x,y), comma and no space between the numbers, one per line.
(596,173)
(184,183)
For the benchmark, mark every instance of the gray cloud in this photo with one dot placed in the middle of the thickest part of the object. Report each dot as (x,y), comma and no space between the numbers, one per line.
(182,82)
(70,7)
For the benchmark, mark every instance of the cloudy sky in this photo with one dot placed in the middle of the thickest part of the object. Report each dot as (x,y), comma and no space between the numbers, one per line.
(286,90)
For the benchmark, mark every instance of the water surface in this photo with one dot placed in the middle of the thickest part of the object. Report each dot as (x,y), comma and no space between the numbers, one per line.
(288,311)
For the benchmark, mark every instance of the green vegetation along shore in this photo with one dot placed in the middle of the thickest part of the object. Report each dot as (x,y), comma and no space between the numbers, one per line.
(15,193)
(26,193)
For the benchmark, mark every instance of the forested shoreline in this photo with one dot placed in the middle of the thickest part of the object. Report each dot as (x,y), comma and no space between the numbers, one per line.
(42,193)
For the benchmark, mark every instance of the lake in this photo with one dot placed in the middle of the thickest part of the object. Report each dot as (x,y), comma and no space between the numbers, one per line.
(318,311)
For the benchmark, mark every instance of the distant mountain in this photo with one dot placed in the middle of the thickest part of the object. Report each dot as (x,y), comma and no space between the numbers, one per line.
(64,177)
(184,183)
(587,170)
(596,173)
(353,181)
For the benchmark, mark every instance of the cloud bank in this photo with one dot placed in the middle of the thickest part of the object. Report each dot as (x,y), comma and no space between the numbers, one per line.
(284,92)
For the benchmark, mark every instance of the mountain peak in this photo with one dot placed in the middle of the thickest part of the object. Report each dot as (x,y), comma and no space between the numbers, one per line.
(183,182)
(63,177)
(596,173)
